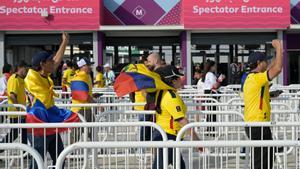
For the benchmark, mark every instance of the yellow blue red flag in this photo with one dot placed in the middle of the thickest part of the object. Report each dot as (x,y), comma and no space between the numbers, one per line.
(43,109)
(135,77)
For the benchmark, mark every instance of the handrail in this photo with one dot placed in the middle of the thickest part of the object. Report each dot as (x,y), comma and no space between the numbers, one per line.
(100,104)
(14,105)
(18,146)
(171,144)
(235,124)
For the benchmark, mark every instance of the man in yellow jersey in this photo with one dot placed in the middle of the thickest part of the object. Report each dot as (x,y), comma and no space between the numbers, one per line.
(16,95)
(257,101)
(81,88)
(99,80)
(40,86)
(68,75)
(153,61)
(170,113)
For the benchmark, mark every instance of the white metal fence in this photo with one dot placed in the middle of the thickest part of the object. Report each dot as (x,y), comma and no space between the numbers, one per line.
(116,139)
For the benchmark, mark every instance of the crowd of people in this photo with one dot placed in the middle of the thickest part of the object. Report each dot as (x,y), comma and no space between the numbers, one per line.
(33,87)
(103,78)
(236,71)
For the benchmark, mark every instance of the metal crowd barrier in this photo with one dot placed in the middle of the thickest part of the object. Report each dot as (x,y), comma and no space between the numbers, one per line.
(96,132)
(227,132)
(200,159)
(19,149)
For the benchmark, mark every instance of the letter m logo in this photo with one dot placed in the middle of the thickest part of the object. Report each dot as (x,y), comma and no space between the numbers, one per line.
(139,12)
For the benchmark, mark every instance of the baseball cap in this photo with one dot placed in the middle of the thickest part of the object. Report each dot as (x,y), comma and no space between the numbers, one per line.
(84,61)
(41,57)
(106,65)
(168,71)
(258,56)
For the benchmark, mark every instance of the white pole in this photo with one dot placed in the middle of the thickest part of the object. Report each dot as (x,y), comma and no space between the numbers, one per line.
(189,58)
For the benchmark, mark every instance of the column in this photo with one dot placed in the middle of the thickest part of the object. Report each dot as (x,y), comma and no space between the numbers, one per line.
(100,48)
(285,71)
(186,59)
(2,49)
(283,76)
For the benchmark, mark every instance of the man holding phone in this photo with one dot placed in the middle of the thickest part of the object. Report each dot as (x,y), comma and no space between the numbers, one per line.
(257,101)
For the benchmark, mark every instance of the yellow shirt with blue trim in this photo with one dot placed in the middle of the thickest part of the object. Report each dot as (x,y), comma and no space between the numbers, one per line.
(99,80)
(257,98)
(139,98)
(68,75)
(85,78)
(172,110)
(16,86)
(40,88)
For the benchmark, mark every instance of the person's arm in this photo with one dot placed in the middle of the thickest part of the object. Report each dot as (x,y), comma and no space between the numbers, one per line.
(64,80)
(91,99)
(13,90)
(61,51)
(276,67)
(184,121)
(219,80)
(113,76)
(98,80)
(13,98)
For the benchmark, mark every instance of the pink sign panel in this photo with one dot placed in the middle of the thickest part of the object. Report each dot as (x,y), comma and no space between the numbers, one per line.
(234,14)
(49,14)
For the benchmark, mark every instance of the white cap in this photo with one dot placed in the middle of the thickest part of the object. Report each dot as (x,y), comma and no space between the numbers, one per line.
(84,61)
(106,65)
(81,63)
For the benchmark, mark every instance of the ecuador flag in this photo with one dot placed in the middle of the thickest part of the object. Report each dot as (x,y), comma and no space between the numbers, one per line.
(135,77)
(43,109)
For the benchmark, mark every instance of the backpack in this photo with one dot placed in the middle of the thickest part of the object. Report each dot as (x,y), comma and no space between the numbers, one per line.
(152,103)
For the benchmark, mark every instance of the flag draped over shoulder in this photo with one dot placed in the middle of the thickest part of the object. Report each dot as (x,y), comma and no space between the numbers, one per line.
(80,86)
(43,109)
(135,77)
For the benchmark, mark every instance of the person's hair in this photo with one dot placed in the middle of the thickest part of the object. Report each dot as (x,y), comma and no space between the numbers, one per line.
(38,67)
(169,81)
(143,59)
(6,68)
(209,64)
(69,63)
(75,66)
(172,63)
(252,66)
(99,69)
(21,64)
(198,71)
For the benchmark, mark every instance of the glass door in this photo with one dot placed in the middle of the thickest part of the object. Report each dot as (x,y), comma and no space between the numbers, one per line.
(225,55)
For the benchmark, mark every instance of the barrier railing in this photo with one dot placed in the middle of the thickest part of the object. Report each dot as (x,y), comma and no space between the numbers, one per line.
(204,155)
(74,135)
(17,146)
(236,131)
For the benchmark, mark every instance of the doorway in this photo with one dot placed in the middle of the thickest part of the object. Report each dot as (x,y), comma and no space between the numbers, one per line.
(294,65)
